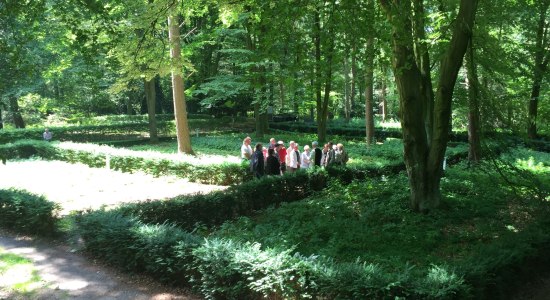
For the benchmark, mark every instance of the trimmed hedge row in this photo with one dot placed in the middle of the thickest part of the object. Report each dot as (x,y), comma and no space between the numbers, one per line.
(84,133)
(225,269)
(217,207)
(27,213)
(219,174)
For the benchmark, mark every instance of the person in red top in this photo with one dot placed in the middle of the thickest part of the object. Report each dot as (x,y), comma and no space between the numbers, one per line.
(281,151)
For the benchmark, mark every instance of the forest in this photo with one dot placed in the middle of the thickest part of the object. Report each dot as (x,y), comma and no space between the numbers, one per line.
(440,104)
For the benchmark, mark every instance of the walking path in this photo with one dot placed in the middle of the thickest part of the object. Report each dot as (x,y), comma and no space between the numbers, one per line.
(60,273)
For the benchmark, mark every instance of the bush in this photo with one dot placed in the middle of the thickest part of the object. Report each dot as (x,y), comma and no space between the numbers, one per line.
(217,207)
(27,213)
(26,149)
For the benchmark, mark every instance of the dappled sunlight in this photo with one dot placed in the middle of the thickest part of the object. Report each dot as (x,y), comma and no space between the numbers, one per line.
(195,160)
(78,187)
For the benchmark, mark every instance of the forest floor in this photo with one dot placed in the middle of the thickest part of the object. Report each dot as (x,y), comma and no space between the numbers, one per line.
(59,272)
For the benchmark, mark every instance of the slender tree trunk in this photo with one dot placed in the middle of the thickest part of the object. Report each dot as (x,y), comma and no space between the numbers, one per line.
(321,120)
(18,121)
(474,152)
(180,110)
(424,159)
(150,96)
(540,63)
(384,97)
(353,77)
(347,95)
(369,91)
(1,120)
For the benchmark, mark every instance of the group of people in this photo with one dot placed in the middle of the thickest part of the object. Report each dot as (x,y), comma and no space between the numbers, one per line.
(276,159)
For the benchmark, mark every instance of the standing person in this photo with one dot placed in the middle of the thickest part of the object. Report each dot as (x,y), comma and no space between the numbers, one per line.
(298,155)
(246,149)
(291,159)
(324,155)
(330,154)
(272,165)
(316,154)
(306,158)
(281,152)
(257,164)
(47,135)
(341,155)
(272,143)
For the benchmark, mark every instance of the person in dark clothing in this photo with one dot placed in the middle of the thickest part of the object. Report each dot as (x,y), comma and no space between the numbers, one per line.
(272,165)
(258,161)
(317,154)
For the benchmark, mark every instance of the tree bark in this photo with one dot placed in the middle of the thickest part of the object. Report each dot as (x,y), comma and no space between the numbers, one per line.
(180,110)
(540,63)
(384,97)
(18,121)
(346,88)
(474,151)
(150,96)
(423,158)
(369,91)
(353,77)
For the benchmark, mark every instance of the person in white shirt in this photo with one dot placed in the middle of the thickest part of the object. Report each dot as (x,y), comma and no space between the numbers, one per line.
(306,158)
(291,159)
(246,149)
(47,135)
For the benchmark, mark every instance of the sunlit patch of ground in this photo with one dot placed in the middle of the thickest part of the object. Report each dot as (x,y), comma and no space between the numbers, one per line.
(77,187)
(17,274)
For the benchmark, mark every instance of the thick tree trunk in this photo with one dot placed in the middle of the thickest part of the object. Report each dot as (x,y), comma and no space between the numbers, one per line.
(369,91)
(180,110)
(540,63)
(423,63)
(150,96)
(424,159)
(474,151)
(18,121)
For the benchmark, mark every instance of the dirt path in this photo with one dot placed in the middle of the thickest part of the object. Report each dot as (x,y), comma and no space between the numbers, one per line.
(67,275)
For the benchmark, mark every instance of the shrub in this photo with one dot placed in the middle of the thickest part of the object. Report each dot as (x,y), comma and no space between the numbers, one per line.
(27,213)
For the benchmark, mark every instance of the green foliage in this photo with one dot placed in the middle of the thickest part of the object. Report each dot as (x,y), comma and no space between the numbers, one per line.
(27,148)
(218,207)
(27,213)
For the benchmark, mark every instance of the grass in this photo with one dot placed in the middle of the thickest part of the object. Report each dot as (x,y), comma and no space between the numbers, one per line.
(18,275)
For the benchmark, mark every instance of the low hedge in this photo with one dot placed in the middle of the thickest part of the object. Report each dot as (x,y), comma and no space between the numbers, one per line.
(27,213)
(217,207)
(85,133)
(27,149)
(226,269)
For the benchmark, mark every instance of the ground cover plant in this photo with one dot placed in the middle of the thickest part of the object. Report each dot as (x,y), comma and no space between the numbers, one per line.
(485,224)
(18,275)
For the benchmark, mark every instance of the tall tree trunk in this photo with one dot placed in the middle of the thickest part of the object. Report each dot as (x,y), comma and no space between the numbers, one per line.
(540,63)
(369,91)
(321,121)
(353,77)
(423,63)
(424,159)
(1,120)
(384,97)
(18,121)
(474,151)
(180,110)
(150,96)
(347,89)
(159,97)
